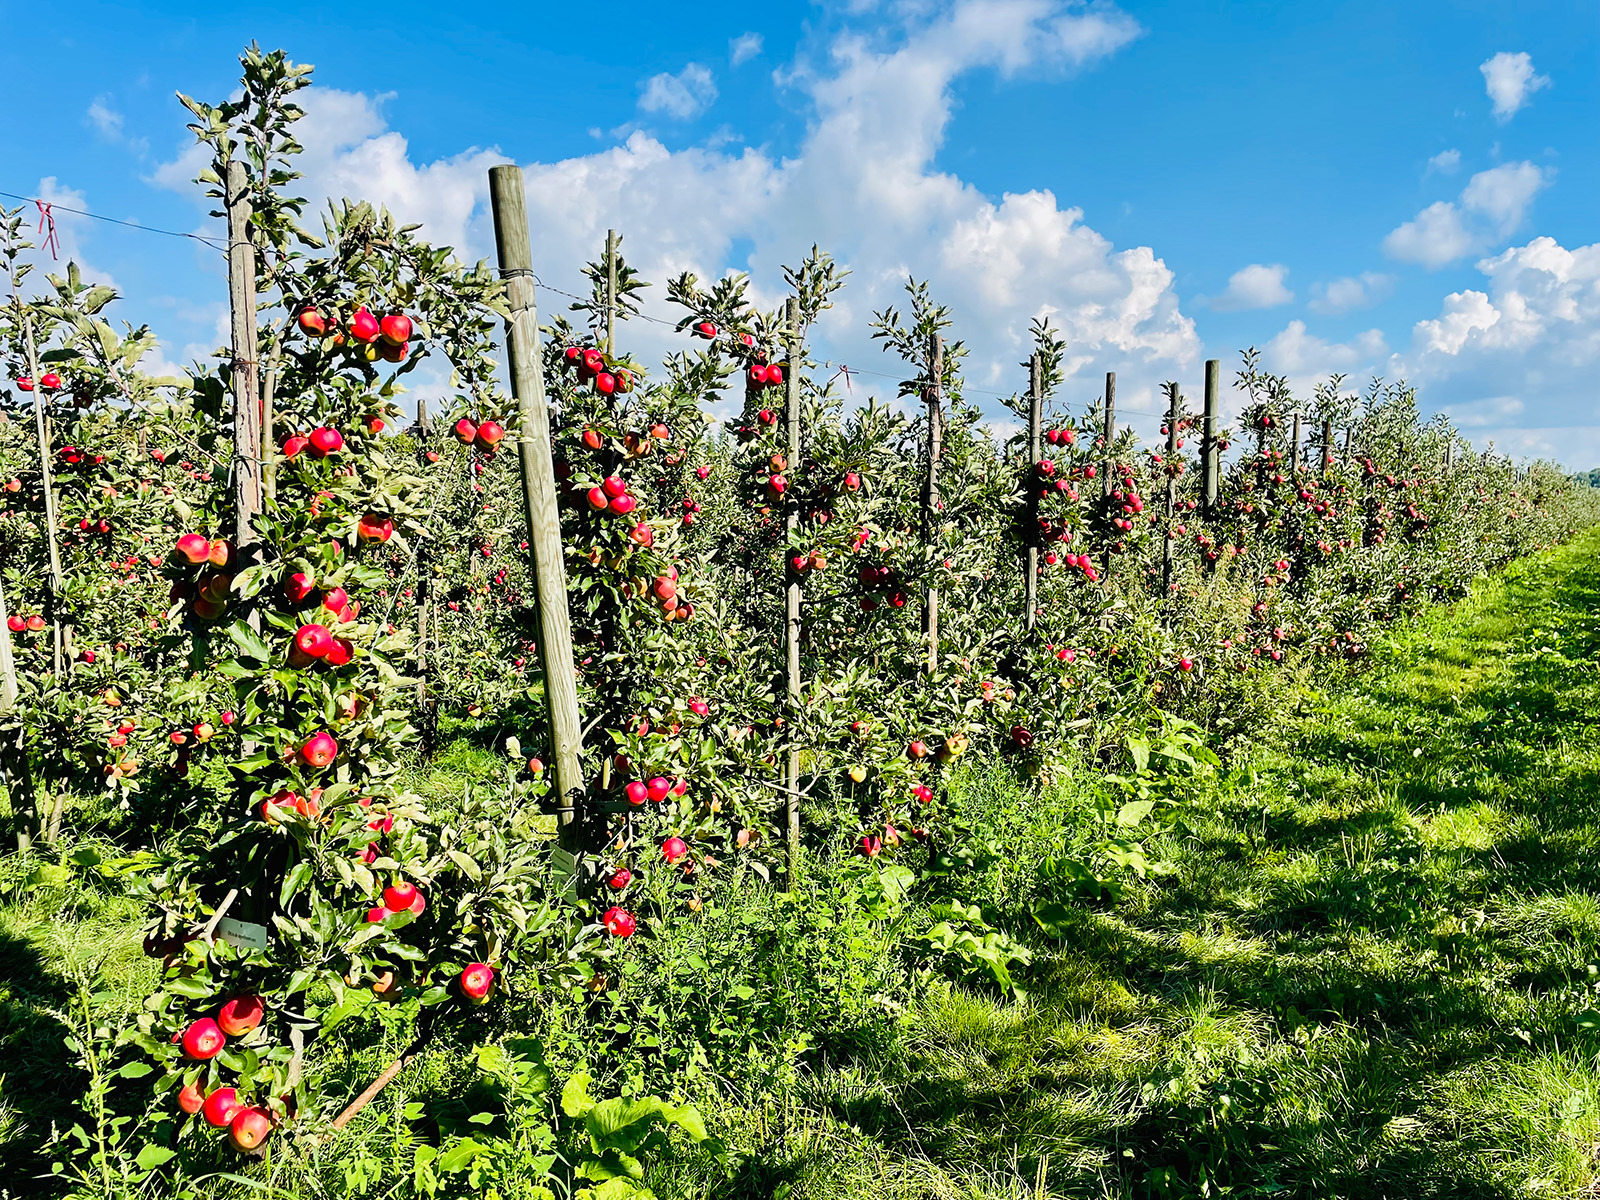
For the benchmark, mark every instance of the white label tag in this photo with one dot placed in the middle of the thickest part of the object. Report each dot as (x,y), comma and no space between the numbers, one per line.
(243,934)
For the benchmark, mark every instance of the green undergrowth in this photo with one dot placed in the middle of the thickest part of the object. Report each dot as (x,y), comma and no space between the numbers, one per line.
(1368,965)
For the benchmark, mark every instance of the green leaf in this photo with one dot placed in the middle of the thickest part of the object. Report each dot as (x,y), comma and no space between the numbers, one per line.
(152,1157)
(249,642)
(575,1101)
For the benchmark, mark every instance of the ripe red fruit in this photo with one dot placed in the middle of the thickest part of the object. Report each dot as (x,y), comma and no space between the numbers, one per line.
(658,789)
(398,897)
(250,1127)
(774,375)
(605,383)
(1021,736)
(50,381)
(699,707)
(466,431)
(619,922)
(340,653)
(917,749)
(24,384)
(240,1015)
(592,439)
(598,500)
(325,441)
(298,586)
(195,547)
(477,981)
(203,1039)
(705,329)
(293,445)
(619,879)
(320,750)
(374,528)
(221,1106)
(623,505)
(1185,665)
(312,322)
(376,914)
(758,375)
(35,624)
(675,850)
(614,486)
(637,791)
(766,416)
(395,329)
(364,326)
(16,624)
(869,846)
(191,1098)
(490,435)
(314,641)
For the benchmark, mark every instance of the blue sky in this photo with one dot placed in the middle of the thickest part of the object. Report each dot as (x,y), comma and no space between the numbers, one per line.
(1409,189)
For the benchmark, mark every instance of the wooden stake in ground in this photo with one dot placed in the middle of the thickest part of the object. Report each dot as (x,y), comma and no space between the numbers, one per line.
(13,752)
(1030,585)
(1108,433)
(930,495)
(1210,448)
(247,414)
(1294,448)
(1327,445)
(793,450)
(1174,409)
(526,369)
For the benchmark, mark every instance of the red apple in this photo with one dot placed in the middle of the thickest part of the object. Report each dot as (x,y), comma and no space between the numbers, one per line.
(250,1127)
(614,486)
(477,981)
(395,329)
(312,322)
(605,383)
(398,897)
(240,1015)
(191,1098)
(490,435)
(195,547)
(320,750)
(221,1105)
(50,381)
(374,528)
(298,586)
(917,749)
(619,879)
(325,441)
(340,653)
(203,1039)
(674,849)
(364,326)
(869,846)
(623,505)
(314,641)
(637,792)
(619,922)
(16,624)
(293,445)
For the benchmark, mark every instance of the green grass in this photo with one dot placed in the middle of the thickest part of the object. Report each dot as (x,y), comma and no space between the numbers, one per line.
(1373,972)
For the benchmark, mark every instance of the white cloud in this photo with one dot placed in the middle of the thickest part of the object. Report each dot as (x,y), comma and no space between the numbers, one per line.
(1350,293)
(1305,358)
(862,183)
(1491,207)
(70,229)
(110,125)
(1446,162)
(682,96)
(1255,286)
(1520,358)
(1510,80)
(744,47)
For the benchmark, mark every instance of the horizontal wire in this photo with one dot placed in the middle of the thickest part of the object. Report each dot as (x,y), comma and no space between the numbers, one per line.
(216,243)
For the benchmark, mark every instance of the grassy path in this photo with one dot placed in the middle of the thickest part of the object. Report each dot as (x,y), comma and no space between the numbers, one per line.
(1375,974)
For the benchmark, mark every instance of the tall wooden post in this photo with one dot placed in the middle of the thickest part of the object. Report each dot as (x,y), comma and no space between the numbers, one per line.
(1030,583)
(1294,448)
(1210,448)
(247,414)
(611,291)
(1349,434)
(1174,410)
(791,519)
(1108,431)
(269,440)
(526,369)
(1327,445)
(52,525)
(931,504)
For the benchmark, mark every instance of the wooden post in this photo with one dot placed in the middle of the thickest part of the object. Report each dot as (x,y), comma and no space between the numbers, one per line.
(1349,433)
(1030,583)
(247,414)
(1210,451)
(791,506)
(1108,431)
(269,440)
(526,370)
(13,757)
(59,632)
(1174,409)
(1327,445)
(1294,447)
(611,291)
(930,510)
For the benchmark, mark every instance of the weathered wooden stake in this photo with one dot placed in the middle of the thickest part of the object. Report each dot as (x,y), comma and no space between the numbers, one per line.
(793,449)
(1294,448)
(1210,448)
(1174,410)
(59,632)
(1349,434)
(1327,445)
(1108,431)
(526,369)
(247,414)
(269,441)
(13,758)
(1030,587)
(931,505)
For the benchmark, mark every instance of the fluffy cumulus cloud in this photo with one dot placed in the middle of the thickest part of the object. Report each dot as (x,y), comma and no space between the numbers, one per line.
(1510,80)
(1520,358)
(1490,209)
(743,48)
(1446,162)
(682,96)
(1255,286)
(862,183)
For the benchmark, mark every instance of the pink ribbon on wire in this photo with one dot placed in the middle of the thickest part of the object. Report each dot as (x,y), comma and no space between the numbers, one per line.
(47,219)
